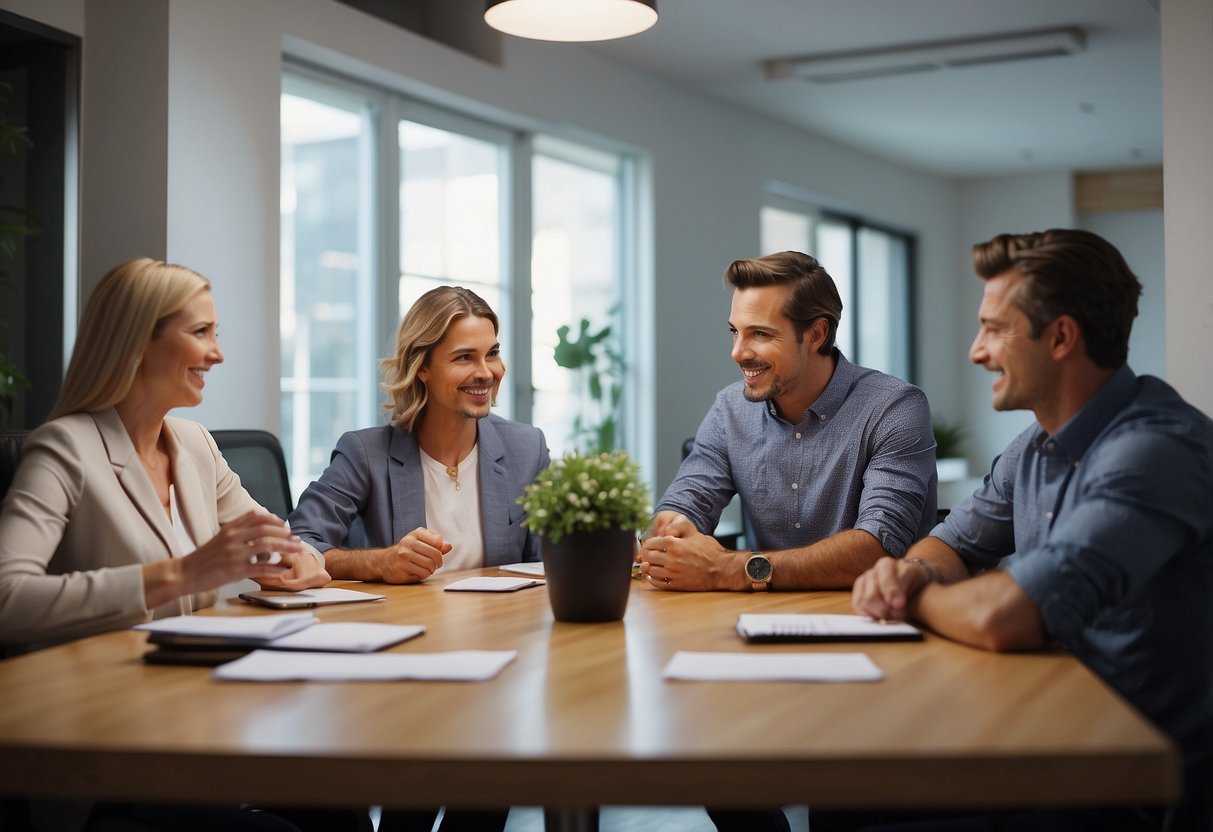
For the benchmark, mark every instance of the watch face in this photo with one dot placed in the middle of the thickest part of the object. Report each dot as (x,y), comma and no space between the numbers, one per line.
(758,569)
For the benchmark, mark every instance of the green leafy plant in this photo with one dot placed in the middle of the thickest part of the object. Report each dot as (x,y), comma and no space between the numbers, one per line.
(948,440)
(16,222)
(587,493)
(600,367)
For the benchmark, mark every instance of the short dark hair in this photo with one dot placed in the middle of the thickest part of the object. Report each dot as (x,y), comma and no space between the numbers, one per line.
(813,294)
(1069,272)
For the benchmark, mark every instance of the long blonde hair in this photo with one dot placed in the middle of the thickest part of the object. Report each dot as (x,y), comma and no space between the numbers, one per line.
(126,310)
(423,326)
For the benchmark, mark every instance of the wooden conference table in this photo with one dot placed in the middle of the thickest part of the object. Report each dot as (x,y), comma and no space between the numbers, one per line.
(581,718)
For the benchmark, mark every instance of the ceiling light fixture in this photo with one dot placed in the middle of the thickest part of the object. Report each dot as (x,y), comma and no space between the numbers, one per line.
(571,20)
(861,64)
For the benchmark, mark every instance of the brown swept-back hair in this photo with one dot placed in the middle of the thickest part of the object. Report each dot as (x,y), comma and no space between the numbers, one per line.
(125,312)
(812,292)
(1069,272)
(423,326)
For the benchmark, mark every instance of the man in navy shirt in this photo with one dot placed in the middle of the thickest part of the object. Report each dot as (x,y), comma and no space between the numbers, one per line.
(1094,529)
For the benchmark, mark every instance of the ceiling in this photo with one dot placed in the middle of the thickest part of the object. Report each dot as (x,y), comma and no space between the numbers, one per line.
(1100,109)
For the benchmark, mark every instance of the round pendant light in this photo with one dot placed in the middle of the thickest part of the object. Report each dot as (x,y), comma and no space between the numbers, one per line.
(571,20)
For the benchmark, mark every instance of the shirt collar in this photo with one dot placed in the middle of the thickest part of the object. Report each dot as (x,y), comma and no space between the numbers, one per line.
(835,394)
(1076,435)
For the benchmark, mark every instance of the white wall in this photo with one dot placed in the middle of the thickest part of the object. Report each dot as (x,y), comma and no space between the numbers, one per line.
(1187,69)
(1139,236)
(991,206)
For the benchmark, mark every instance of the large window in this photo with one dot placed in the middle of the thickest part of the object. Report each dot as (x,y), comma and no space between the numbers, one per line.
(328,272)
(873,270)
(537,226)
(576,253)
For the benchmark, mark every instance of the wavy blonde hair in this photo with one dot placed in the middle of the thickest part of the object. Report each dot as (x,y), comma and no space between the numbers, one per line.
(125,312)
(423,326)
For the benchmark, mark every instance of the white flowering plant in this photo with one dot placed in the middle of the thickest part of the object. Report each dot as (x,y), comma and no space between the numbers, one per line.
(587,493)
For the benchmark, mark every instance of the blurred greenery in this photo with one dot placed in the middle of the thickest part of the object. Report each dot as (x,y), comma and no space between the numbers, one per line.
(949,437)
(599,367)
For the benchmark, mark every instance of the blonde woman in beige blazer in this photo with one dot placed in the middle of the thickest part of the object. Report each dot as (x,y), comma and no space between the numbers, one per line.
(119,513)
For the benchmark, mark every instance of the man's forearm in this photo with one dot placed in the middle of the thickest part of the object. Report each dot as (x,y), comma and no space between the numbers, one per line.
(833,563)
(355,564)
(990,611)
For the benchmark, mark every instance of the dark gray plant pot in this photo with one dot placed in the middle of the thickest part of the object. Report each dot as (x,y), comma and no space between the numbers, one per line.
(589,574)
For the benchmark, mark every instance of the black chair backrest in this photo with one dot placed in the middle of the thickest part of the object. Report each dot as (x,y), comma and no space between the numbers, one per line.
(256,457)
(10,457)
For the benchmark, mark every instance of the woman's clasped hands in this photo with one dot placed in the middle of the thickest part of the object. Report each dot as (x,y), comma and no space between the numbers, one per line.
(255,545)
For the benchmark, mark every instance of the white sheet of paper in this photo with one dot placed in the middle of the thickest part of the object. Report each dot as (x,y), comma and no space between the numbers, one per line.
(231,626)
(532,568)
(279,666)
(348,636)
(800,667)
(490,584)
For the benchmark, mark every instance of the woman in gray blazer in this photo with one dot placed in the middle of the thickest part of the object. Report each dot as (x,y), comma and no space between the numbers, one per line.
(119,513)
(438,487)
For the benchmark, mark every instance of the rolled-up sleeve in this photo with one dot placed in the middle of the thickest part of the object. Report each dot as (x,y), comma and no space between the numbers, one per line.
(1125,523)
(981,529)
(899,482)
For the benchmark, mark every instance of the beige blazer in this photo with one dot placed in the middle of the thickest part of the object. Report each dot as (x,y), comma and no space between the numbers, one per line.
(82,517)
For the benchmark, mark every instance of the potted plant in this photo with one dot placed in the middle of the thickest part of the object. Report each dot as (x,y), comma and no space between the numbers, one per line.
(950,463)
(587,510)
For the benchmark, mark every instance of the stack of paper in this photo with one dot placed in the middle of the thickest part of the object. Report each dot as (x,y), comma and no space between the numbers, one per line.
(244,629)
(210,640)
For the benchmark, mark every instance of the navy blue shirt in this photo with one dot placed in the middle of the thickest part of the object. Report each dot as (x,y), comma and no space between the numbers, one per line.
(1108,527)
(861,457)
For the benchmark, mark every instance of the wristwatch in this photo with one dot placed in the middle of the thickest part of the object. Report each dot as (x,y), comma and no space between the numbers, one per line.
(758,571)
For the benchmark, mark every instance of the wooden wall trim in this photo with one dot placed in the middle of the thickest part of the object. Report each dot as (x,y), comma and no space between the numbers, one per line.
(1118,190)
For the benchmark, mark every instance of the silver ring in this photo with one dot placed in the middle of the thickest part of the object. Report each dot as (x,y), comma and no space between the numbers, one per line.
(667,580)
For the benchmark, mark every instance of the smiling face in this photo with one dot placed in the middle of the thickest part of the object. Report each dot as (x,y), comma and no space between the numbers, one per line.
(464,369)
(774,364)
(1004,345)
(186,345)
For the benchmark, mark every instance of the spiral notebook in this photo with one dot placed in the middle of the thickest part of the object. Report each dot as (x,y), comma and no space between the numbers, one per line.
(771,628)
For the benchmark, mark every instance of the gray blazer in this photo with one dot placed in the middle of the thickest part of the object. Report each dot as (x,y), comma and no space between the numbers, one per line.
(373,492)
(82,517)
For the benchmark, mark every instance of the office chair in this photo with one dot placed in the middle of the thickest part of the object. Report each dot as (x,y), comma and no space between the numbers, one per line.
(257,458)
(730,540)
(10,456)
